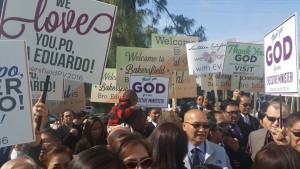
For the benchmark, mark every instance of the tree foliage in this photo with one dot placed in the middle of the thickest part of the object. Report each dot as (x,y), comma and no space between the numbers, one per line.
(135,23)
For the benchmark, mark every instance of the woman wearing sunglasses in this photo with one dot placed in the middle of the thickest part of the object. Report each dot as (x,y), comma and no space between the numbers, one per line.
(169,144)
(133,150)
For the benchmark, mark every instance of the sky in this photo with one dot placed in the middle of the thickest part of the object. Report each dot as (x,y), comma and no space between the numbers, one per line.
(245,20)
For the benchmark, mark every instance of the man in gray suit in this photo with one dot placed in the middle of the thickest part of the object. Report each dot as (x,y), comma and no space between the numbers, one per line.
(261,137)
(200,150)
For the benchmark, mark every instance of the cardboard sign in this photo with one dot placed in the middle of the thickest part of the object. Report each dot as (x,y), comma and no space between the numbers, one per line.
(142,61)
(55,88)
(281,61)
(206,57)
(223,82)
(16,116)
(248,84)
(177,45)
(107,91)
(184,85)
(246,59)
(66,38)
(152,91)
(74,98)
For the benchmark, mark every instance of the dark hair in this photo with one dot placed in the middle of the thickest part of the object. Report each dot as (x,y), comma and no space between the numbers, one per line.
(169,116)
(292,119)
(228,103)
(169,144)
(54,151)
(262,112)
(273,156)
(195,101)
(79,115)
(208,166)
(130,94)
(54,134)
(87,136)
(66,110)
(126,141)
(96,157)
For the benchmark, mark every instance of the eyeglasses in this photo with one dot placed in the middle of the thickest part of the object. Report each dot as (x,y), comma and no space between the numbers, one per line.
(296,133)
(233,112)
(197,125)
(222,124)
(145,163)
(247,105)
(273,119)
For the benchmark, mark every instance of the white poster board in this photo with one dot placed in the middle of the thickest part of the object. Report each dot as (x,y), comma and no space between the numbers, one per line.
(16,116)
(65,38)
(206,57)
(55,87)
(281,61)
(152,91)
(107,91)
(246,59)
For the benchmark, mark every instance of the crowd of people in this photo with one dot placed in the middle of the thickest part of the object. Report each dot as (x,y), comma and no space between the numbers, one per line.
(201,136)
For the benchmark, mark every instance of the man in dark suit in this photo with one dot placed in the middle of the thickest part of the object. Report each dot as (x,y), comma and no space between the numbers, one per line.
(198,103)
(261,137)
(153,115)
(245,107)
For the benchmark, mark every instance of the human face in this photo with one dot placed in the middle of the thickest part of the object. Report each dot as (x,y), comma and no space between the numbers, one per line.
(264,122)
(275,113)
(222,122)
(136,154)
(68,118)
(195,135)
(96,130)
(59,161)
(154,114)
(47,143)
(200,100)
(295,141)
(217,136)
(245,105)
(231,114)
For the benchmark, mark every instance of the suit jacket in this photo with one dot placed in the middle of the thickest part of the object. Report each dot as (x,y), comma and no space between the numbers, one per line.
(257,141)
(254,122)
(245,131)
(215,154)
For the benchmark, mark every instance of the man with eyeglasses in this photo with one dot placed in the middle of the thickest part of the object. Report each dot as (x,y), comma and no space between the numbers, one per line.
(245,106)
(261,137)
(200,150)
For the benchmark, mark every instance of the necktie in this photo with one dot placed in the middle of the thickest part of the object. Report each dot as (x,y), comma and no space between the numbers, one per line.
(247,120)
(195,158)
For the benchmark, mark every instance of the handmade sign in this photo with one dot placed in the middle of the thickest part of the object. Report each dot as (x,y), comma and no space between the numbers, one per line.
(281,61)
(65,38)
(16,116)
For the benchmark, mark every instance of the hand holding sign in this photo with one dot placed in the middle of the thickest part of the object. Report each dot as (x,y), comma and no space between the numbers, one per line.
(40,111)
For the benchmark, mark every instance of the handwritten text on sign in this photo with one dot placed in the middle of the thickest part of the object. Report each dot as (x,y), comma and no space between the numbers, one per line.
(52,29)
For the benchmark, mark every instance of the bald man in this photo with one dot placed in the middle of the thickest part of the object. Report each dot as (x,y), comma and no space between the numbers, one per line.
(200,150)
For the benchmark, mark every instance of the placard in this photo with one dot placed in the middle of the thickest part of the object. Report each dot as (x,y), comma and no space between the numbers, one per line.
(281,61)
(177,45)
(223,82)
(206,57)
(16,116)
(107,91)
(185,85)
(152,91)
(143,62)
(55,87)
(248,84)
(246,59)
(74,98)
(66,38)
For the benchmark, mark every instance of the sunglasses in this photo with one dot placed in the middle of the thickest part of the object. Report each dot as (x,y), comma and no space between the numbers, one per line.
(145,163)
(247,105)
(296,133)
(273,119)
(222,124)
(205,125)
(233,112)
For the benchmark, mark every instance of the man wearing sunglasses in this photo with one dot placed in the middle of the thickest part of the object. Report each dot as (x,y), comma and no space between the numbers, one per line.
(245,106)
(261,137)
(200,150)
